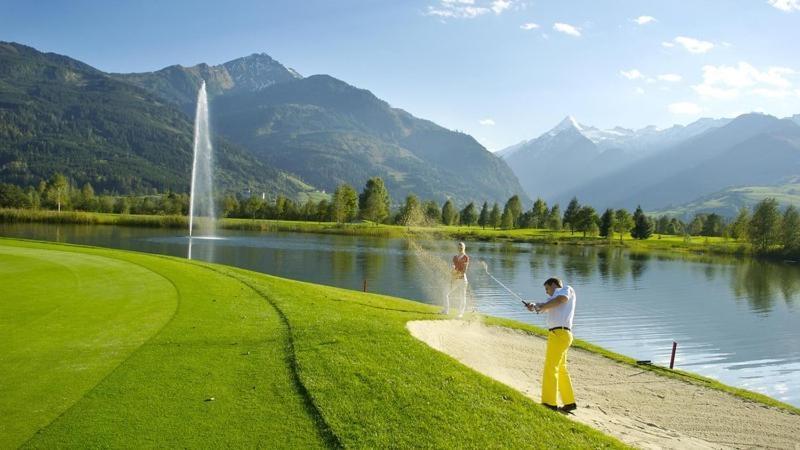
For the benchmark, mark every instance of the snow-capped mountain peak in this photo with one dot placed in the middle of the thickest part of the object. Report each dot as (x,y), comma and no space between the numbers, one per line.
(569,123)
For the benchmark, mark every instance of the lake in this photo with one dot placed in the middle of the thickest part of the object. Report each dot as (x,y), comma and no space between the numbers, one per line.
(735,320)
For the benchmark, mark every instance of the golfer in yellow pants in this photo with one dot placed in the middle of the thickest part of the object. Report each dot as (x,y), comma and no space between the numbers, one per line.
(560,309)
(555,377)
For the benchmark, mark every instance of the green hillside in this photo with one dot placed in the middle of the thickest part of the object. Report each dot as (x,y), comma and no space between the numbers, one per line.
(60,115)
(329,132)
(728,202)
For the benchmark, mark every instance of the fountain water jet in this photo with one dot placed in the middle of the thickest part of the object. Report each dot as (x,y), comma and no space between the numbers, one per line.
(201,206)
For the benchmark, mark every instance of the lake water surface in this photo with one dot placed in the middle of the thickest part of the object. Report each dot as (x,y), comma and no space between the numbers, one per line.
(735,320)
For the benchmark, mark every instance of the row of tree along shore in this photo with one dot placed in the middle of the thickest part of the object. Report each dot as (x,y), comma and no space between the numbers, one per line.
(765,227)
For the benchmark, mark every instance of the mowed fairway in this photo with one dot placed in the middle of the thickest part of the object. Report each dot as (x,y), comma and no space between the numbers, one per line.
(119,349)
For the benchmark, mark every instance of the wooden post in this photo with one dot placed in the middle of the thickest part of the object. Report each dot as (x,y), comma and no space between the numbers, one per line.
(365,285)
(672,358)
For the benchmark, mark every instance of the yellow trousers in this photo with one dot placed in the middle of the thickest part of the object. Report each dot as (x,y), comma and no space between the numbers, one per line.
(555,377)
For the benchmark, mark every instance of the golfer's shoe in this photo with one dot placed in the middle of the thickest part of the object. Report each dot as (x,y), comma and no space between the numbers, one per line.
(550,407)
(568,408)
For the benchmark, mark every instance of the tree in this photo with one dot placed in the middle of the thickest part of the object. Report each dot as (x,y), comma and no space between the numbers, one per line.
(514,206)
(697,224)
(623,222)
(676,227)
(12,196)
(410,212)
(494,216)
(58,190)
(607,222)
(433,214)
(448,213)
(539,214)
(469,216)
(662,225)
(642,225)
(345,204)
(791,230)
(122,205)
(87,198)
(740,224)
(571,213)
(229,205)
(253,205)
(712,226)
(323,213)
(554,218)
(483,218)
(764,229)
(374,201)
(586,220)
(507,219)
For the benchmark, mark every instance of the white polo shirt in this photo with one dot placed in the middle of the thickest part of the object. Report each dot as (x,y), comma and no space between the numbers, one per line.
(561,315)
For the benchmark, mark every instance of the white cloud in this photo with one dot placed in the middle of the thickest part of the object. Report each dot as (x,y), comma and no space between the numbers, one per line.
(498,6)
(487,122)
(467,9)
(785,5)
(694,45)
(567,29)
(685,108)
(529,26)
(639,90)
(670,77)
(727,82)
(632,74)
(644,20)
(667,44)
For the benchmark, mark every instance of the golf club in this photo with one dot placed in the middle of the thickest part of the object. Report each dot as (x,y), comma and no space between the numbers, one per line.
(486,269)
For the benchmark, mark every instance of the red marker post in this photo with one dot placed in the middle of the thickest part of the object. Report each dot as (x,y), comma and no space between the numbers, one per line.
(672,358)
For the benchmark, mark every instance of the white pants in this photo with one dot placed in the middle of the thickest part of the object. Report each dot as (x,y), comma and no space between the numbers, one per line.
(459,287)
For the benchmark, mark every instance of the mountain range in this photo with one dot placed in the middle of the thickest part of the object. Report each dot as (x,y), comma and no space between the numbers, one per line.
(328,132)
(659,169)
(279,132)
(275,130)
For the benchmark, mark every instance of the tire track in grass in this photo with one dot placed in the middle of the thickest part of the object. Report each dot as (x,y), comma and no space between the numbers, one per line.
(326,432)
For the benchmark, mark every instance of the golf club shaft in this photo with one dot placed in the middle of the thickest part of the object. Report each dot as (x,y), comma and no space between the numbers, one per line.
(505,287)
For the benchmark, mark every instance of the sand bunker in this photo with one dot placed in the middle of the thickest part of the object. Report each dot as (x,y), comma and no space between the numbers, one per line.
(638,407)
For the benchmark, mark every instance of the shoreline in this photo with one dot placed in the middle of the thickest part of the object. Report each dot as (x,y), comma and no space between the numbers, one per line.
(676,245)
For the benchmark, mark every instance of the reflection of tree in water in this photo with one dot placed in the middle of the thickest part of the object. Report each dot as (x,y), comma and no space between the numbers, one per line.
(761,282)
(342,265)
(509,259)
(371,260)
(545,261)
(638,264)
(579,264)
(710,271)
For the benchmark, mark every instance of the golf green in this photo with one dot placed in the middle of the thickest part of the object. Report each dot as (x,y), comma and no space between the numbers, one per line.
(107,348)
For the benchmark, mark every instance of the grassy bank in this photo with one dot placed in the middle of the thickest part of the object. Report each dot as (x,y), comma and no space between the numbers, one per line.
(665,243)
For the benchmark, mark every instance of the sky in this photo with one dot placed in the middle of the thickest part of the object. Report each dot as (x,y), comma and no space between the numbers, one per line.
(501,70)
